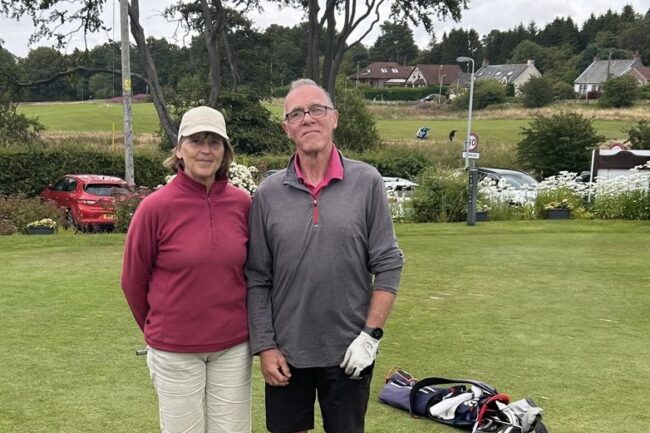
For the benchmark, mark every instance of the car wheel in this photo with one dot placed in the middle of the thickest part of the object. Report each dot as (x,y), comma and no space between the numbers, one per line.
(69,220)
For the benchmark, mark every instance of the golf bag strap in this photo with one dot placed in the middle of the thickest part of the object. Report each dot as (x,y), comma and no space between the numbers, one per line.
(431,381)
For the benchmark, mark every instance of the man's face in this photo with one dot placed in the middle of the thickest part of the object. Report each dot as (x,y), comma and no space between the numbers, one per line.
(311,135)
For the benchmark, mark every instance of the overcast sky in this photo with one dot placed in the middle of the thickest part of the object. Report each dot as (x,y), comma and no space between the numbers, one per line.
(482,15)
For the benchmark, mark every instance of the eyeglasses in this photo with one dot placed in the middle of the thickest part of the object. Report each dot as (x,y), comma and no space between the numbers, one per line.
(315,111)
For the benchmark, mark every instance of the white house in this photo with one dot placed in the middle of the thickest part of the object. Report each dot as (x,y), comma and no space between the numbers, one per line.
(517,74)
(600,71)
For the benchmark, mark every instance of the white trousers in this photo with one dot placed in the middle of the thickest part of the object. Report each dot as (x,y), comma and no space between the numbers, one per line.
(203,392)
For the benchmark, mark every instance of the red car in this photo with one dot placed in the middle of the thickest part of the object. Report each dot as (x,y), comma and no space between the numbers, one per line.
(87,198)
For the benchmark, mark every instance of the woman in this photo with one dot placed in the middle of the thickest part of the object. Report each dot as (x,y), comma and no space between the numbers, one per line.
(183,277)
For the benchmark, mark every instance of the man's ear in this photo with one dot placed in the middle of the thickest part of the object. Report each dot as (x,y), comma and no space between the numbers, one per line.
(335,118)
(285,128)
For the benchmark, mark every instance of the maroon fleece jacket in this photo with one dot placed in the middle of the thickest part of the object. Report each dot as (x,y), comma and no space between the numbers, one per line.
(183,270)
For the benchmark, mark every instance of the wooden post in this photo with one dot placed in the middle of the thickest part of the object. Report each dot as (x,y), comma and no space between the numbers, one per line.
(126,94)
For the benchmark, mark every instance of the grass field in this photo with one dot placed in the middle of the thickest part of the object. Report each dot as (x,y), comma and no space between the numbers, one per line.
(554,310)
(395,123)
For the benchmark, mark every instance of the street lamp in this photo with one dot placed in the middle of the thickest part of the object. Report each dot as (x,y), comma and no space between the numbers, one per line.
(463,59)
(473,173)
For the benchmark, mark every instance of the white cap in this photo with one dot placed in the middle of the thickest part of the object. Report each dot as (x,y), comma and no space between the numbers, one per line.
(202,119)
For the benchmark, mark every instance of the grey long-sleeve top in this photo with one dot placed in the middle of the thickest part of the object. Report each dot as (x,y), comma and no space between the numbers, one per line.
(309,286)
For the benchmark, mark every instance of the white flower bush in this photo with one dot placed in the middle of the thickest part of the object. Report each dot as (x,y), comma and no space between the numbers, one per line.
(243,177)
(239,175)
(45,222)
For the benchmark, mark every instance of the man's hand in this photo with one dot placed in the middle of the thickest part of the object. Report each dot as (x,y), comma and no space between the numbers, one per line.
(360,354)
(275,368)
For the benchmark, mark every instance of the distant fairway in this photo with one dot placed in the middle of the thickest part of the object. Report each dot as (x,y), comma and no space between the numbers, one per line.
(103,116)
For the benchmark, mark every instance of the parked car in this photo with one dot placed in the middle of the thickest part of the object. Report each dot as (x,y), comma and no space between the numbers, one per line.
(401,187)
(88,199)
(428,98)
(514,186)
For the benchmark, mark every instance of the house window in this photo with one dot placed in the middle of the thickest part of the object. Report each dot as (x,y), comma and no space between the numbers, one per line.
(498,73)
(394,71)
(509,73)
(384,70)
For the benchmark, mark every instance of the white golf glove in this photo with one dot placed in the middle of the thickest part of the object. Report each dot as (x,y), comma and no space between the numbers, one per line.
(360,354)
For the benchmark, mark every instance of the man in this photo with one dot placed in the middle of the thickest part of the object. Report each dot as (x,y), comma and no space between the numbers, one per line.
(320,230)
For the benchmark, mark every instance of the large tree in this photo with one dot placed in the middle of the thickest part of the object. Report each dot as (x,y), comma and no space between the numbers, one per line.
(394,44)
(334,25)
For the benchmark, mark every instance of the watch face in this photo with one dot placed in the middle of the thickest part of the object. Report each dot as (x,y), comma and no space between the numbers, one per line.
(377,333)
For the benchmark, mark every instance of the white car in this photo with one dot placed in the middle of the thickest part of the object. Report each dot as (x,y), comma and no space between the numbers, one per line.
(399,184)
(512,186)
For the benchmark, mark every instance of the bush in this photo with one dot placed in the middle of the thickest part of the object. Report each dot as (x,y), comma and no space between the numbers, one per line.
(16,128)
(640,135)
(562,90)
(488,92)
(537,92)
(28,170)
(441,196)
(19,211)
(7,228)
(399,93)
(556,143)
(619,92)
(125,207)
(396,162)
(250,126)
(625,197)
(356,129)
(644,92)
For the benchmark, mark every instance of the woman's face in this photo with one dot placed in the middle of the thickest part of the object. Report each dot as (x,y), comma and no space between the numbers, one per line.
(202,154)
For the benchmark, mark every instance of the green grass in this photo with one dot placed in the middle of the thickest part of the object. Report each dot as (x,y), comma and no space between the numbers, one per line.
(554,310)
(103,117)
(92,116)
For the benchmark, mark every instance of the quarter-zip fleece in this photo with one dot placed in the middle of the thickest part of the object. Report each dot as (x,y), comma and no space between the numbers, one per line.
(183,271)
(309,285)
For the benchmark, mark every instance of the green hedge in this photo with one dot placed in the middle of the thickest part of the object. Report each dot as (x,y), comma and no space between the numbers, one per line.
(29,170)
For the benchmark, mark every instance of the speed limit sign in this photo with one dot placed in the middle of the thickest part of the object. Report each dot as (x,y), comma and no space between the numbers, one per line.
(473,143)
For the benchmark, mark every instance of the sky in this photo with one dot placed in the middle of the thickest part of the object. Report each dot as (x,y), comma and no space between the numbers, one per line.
(482,15)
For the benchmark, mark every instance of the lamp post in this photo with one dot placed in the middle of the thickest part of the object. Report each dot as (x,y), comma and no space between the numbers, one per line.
(473,173)
(463,59)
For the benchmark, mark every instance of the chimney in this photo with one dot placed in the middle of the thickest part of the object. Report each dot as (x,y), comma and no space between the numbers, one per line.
(486,62)
(530,62)
(636,55)
(595,59)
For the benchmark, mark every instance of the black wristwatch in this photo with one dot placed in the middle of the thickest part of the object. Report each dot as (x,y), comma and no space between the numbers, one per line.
(375,333)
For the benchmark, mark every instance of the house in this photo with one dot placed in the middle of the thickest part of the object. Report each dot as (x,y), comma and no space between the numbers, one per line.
(426,75)
(382,74)
(641,74)
(517,74)
(600,71)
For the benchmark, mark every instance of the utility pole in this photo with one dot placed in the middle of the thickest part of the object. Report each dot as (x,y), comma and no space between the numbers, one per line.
(126,94)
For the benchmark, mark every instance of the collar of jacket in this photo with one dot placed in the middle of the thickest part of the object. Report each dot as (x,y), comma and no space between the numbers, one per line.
(189,185)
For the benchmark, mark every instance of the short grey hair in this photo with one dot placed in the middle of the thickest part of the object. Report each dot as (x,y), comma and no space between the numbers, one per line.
(309,82)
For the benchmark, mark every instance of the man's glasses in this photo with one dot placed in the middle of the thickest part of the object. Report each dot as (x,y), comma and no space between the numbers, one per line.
(315,111)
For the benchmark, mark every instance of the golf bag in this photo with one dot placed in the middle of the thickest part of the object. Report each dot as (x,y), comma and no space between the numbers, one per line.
(422,133)
(463,403)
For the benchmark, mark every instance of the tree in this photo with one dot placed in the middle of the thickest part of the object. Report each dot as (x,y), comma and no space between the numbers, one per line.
(16,128)
(335,33)
(619,92)
(640,135)
(487,92)
(537,92)
(555,143)
(356,129)
(394,44)
(460,42)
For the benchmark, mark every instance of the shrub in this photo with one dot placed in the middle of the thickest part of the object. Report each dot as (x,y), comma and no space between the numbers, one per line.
(125,207)
(556,143)
(250,126)
(16,128)
(399,93)
(7,227)
(624,197)
(619,92)
(356,127)
(537,92)
(644,92)
(20,210)
(563,90)
(397,162)
(440,197)
(488,92)
(28,170)
(640,135)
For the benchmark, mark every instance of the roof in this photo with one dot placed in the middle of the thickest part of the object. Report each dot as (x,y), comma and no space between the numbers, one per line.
(97,178)
(383,71)
(596,72)
(433,73)
(644,71)
(507,73)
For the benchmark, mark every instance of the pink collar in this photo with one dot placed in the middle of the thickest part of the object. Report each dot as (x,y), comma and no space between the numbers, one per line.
(334,171)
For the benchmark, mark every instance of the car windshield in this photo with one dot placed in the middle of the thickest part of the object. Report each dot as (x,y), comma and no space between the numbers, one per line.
(105,189)
(518,180)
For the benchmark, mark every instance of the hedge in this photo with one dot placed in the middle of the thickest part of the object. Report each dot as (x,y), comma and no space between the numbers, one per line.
(29,170)
(400,93)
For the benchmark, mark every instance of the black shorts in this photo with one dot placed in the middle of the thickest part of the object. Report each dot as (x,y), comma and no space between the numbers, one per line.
(343,401)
